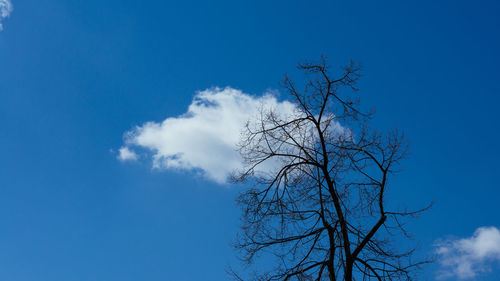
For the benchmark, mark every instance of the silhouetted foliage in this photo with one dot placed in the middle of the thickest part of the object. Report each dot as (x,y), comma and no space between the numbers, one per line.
(320,207)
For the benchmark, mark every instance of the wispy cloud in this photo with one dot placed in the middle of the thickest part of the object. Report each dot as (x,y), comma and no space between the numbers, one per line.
(205,138)
(125,154)
(5,10)
(466,258)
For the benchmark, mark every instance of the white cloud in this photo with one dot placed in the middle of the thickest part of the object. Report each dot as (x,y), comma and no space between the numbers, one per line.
(205,137)
(125,154)
(5,10)
(467,257)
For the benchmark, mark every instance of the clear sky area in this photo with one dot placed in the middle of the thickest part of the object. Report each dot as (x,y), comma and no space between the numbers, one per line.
(84,198)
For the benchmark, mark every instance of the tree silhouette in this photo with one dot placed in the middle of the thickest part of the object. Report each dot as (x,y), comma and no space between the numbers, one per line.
(320,178)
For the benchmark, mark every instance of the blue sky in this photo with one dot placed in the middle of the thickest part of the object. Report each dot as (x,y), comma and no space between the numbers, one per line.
(76,75)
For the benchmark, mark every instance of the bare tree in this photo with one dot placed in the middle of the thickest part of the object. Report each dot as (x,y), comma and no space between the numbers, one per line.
(320,178)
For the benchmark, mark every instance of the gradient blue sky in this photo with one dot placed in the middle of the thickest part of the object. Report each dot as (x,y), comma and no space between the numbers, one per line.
(76,75)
